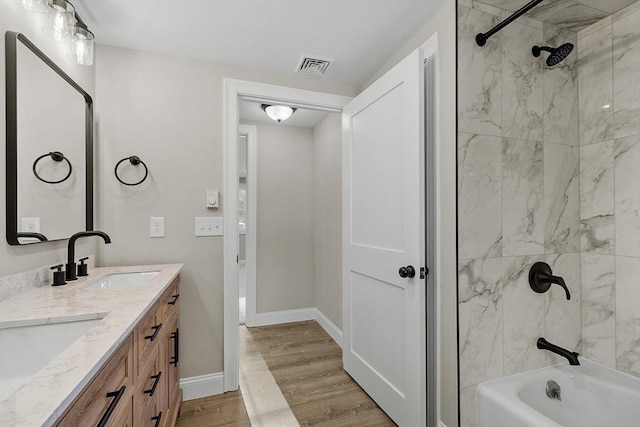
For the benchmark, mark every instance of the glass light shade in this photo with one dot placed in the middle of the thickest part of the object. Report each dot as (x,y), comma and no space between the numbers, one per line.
(34,5)
(61,20)
(278,112)
(82,46)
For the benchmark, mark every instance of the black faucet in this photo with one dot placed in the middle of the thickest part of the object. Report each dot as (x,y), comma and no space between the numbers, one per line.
(571,356)
(71,263)
(541,278)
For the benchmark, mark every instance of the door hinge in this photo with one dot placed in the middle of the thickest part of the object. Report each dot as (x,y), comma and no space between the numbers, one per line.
(423,272)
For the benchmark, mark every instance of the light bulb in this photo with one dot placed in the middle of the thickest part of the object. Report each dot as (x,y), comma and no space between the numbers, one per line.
(33,5)
(82,46)
(61,20)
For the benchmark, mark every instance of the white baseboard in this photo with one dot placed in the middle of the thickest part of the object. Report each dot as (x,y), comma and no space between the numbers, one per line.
(285,316)
(202,386)
(330,327)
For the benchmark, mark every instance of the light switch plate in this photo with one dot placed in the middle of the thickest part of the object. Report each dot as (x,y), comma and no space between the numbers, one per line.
(156,226)
(209,226)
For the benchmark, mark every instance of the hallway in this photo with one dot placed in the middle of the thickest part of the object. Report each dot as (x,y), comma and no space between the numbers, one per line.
(303,384)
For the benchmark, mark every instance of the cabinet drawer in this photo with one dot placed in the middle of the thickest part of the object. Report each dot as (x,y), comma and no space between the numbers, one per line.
(154,415)
(171,298)
(108,396)
(151,384)
(148,334)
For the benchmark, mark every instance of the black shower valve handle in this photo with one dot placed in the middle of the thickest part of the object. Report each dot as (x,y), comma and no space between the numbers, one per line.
(557,280)
(541,278)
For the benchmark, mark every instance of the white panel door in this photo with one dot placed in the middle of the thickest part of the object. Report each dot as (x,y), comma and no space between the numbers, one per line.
(383,196)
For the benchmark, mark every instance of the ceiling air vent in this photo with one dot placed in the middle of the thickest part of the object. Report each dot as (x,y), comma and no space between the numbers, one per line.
(313,65)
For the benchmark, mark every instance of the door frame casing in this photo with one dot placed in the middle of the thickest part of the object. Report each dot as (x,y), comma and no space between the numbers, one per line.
(257,92)
(251,134)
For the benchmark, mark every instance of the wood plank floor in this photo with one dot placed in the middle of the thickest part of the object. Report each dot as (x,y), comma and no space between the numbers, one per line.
(307,367)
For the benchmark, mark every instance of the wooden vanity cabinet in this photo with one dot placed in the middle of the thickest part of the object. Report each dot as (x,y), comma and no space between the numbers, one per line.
(146,365)
(158,396)
(172,350)
(107,400)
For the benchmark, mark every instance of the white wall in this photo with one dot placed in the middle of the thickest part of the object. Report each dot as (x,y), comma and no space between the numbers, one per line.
(14,259)
(169,111)
(443,22)
(284,252)
(327,220)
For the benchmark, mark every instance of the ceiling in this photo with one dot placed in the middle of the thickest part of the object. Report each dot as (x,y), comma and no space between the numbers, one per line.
(266,35)
(305,118)
(571,14)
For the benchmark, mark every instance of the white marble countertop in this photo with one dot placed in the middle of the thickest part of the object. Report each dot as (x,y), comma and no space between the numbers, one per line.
(45,397)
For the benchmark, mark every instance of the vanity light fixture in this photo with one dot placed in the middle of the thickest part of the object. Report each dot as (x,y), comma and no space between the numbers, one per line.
(278,112)
(34,5)
(64,24)
(60,21)
(82,43)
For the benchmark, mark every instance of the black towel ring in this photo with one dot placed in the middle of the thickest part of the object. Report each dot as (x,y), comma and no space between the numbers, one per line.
(135,161)
(56,156)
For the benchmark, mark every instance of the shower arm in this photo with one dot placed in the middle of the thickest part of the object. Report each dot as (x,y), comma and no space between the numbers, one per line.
(481,38)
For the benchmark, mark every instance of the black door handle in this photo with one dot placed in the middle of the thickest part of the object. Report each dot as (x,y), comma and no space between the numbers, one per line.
(407,271)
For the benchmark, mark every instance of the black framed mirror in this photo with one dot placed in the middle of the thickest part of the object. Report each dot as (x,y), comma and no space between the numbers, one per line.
(49,158)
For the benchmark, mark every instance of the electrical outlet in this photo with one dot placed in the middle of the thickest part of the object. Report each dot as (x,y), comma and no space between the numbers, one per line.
(31,225)
(156,226)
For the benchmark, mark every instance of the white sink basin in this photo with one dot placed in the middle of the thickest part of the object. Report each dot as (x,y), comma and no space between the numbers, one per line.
(24,350)
(121,280)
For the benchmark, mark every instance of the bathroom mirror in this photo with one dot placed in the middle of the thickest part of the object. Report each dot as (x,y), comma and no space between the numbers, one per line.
(47,112)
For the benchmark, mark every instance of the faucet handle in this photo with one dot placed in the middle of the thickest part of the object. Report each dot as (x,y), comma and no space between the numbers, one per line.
(82,267)
(541,278)
(58,276)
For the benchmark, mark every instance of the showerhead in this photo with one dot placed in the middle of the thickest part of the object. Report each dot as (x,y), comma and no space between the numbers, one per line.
(557,54)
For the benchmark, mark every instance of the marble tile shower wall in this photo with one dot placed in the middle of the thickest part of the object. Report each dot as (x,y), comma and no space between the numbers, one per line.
(609,118)
(526,140)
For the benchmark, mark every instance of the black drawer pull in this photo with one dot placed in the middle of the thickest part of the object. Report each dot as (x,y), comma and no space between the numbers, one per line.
(155,384)
(116,395)
(175,299)
(157,419)
(156,329)
(175,336)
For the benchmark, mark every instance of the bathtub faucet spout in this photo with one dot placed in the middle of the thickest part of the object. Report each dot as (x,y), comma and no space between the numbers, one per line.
(571,356)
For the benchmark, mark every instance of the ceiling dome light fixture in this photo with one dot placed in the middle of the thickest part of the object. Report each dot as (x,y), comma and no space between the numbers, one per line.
(278,112)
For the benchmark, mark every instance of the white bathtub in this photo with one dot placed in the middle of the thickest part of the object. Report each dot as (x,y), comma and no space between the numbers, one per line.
(592,396)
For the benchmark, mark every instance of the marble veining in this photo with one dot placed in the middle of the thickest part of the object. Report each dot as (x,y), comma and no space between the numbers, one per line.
(522,206)
(597,197)
(560,91)
(598,305)
(45,397)
(567,14)
(626,74)
(524,320)
(628,314)
(563,318)
(479,195)
(480,320)
(627,196)
(561,198)
(480,92)
(522,99)
(595,85)
(24,281)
